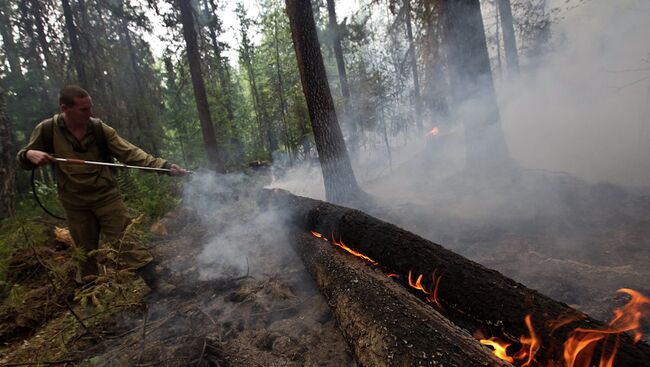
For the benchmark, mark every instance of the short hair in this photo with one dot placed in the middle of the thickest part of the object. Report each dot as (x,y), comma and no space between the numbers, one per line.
(68,94)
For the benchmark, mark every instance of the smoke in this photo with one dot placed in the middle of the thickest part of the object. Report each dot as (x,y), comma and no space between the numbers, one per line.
(239,235)
(585,109)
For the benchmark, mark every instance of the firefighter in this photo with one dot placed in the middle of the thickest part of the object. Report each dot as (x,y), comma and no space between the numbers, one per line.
(89,194)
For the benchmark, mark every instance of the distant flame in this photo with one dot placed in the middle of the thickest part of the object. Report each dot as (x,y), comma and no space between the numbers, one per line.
(499,347)
(435,131)
(316,234)
(392,275)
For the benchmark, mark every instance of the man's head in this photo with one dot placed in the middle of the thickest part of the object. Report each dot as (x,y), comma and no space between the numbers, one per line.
(76,104)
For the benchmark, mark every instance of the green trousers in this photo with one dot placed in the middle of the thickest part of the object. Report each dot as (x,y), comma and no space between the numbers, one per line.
(110,221)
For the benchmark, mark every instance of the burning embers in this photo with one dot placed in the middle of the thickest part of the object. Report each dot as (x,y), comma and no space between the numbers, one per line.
(582,347)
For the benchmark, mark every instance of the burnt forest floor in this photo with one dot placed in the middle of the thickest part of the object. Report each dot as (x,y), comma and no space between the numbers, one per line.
(229,290)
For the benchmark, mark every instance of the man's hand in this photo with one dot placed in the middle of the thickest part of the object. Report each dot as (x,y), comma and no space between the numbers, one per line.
(175,170)
(39,158)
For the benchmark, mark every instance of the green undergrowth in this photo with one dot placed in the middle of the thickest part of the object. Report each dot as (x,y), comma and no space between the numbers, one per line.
(56,333)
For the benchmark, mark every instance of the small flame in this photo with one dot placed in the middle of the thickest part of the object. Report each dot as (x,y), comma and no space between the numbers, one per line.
(433,295)
(435,131)
(417,284)
(499,347)
(392,275)
(355,253)
(316,234)
(529,344)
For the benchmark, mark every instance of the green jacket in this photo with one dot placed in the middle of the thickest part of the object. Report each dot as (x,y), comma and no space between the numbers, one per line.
(86,186)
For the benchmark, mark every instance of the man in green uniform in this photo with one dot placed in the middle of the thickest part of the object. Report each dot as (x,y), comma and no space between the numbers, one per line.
(89,194)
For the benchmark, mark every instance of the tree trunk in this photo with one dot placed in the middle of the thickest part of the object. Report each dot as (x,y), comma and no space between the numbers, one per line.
(340,183)
(414,66)
(340,65)
(7,165)
(10,48)
(283,104)
(472,89)
(224,80)
(470,295)
(74,44)
(403,331)
(52,71)
(194,60)
(509,41)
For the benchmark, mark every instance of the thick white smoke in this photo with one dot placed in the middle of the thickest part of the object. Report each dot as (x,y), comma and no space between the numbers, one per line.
(585,109)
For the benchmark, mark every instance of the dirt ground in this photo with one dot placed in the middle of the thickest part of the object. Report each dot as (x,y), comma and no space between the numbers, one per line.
(231,292)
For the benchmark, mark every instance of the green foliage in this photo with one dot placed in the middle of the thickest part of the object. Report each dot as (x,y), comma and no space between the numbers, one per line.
(150,194)
(12,237)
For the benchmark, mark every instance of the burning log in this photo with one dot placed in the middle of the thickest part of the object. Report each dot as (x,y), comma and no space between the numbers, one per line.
(470,295)
(383,323)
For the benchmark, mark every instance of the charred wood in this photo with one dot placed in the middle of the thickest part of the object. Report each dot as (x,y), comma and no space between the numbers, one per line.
(471,296)
(383,323)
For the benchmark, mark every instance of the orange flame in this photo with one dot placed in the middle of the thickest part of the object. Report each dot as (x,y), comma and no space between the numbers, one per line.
(392,275)
(529,344)
(578,349)
(499,347)
(355,253)
(435,131)
(316,234)
(417,284)
(433,295)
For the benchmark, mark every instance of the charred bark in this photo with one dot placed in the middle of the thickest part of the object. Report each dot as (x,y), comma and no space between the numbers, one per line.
(403,331)
(340,183)
(472,296)
(194,60)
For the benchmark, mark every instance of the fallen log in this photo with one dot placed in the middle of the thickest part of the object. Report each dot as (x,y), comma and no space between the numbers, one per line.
(472,296)
(383,323)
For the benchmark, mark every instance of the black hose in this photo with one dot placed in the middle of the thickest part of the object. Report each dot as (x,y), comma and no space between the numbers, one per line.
(38,200)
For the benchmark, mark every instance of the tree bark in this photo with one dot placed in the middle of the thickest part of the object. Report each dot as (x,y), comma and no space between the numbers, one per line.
(335,30)
(76,56)
(51,68)
(509,41)
(414,66)
(194,60)
(224,80)
(403,331)
(283,104)
(10,48)
(7,165)
(472,88)
(340,183)
(470,295)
